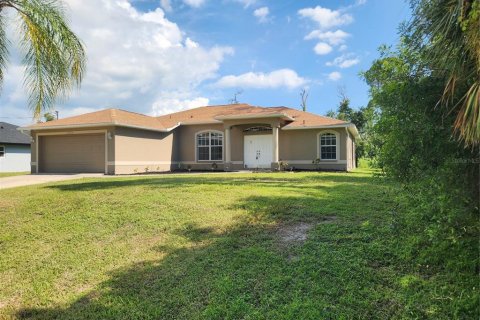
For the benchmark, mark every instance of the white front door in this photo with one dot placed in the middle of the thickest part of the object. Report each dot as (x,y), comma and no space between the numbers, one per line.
(257,151)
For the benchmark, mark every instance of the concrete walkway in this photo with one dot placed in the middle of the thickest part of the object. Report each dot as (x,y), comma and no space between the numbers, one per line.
(30,179)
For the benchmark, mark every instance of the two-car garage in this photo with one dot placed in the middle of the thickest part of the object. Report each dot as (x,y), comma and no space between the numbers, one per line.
(71,153)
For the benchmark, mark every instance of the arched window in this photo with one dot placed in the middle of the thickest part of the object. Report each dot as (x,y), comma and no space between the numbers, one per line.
(209,146)
(328,146)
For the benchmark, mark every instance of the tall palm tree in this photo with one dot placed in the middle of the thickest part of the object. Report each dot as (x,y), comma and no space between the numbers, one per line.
(448,31)
(54,56)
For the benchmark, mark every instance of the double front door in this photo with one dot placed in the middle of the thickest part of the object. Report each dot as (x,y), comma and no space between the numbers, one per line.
(258,151)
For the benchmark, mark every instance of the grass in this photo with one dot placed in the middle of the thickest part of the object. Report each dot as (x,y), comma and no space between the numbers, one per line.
(12,174)
(208,247)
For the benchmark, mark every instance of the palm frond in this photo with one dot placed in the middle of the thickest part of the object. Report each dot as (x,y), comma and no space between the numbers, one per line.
(4,43)
(448,33)
(54,56)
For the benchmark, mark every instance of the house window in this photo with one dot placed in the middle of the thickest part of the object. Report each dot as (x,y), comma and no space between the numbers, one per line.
(210,146)
(2,151)
(328,146)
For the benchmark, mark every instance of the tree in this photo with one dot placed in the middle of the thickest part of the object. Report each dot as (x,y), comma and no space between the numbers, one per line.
(49,117)
(362,118)
(304,97)
(54,56)
(447,33)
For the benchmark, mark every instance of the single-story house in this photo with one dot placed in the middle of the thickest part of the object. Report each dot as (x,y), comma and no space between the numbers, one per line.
(225,137)
(14,149)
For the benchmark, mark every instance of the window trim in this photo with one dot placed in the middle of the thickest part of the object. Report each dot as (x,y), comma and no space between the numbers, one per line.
(4,151)
(209,146)
(337,144)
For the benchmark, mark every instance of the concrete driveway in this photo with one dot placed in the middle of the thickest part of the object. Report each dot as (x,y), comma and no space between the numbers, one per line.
(30,179)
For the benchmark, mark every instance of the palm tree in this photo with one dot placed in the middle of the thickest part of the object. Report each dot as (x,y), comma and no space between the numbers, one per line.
(54,56)
(448,31)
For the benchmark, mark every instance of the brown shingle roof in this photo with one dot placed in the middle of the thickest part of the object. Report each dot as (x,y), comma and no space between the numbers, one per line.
(212,114)
(106,117)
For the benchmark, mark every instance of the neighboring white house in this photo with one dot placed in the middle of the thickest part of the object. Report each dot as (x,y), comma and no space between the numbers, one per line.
(14,149)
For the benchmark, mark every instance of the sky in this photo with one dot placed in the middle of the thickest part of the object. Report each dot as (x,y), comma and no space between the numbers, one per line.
(161,56)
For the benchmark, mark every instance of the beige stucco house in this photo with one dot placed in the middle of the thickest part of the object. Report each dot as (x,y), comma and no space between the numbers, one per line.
(227,137)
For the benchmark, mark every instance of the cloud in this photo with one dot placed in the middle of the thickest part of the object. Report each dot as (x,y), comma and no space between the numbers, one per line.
(169,104)
(194,3)
(247,3)
(335,76)
(332,37)
(131,56)
(322,48)
(262,14)
(275,79)
(166,5)
(326,18)
(344,61)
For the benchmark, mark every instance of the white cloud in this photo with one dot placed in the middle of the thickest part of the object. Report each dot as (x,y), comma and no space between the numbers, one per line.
(322,48)
(335,76)
(166,5)
(326,18)
(343,47)
(174,103)
(262,14)
(332,37)
(247,3)
(275,79)
(344,61)
(194,3)
(132,55)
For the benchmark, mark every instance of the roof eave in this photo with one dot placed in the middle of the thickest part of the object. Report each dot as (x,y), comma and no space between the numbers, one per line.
(323,126)
(348,125)
(199,122)
(253,116)
(94,125)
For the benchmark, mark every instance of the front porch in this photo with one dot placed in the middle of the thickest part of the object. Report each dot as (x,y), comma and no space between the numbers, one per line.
(252,143)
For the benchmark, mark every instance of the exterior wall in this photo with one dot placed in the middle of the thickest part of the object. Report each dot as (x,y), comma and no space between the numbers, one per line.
(296,147)
(134,150)
(139,151)
(349,151)
(184,147)
(110,131)
(299,148)
(16,158)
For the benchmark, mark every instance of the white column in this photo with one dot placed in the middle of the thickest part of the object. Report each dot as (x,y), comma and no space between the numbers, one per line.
(275,143)
(228,149)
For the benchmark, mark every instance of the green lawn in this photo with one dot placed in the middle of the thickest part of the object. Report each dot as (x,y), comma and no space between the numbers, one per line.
(208,247)
(11,174)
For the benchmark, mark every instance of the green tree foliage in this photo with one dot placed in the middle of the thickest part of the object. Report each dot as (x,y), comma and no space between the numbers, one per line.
(363,118)
(53,55)
(447,35)
(437,213)
(49,117)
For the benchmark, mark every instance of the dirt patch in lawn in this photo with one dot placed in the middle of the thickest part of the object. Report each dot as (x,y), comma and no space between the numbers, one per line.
(297,233)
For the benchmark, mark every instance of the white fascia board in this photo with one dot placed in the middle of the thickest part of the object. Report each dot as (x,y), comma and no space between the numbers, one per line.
(95,125)
(350,126)
(198,122)
(252,116)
